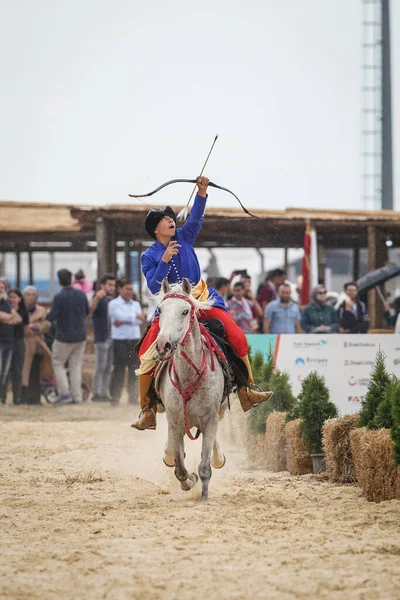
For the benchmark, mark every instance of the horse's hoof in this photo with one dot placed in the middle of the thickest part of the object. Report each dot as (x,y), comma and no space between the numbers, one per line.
(194,477)
(218,465)
(168,460)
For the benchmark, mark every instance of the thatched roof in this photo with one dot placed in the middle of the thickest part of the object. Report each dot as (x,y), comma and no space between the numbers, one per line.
(222,227)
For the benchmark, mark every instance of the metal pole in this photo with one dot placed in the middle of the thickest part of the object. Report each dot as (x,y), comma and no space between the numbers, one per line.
(387,157)
(31,276)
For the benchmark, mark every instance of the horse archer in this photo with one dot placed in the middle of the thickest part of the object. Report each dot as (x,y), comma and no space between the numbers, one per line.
(172,257)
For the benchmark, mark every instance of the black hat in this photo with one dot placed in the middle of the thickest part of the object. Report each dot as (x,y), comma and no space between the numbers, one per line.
(154,216)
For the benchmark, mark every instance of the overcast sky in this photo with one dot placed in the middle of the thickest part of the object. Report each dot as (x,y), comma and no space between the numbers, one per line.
(100,98)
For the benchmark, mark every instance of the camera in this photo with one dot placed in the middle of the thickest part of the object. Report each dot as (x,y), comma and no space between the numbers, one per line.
(242,273)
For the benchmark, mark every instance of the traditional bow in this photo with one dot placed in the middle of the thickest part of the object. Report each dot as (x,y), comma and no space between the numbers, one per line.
(211,184)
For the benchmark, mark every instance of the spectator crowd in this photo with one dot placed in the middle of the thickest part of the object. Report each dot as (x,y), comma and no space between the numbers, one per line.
(43,349)
(274,310)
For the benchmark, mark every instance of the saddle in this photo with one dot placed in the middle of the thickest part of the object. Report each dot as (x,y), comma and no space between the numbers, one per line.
(234,369)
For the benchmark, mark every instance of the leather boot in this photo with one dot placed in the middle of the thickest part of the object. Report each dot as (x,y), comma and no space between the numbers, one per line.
(248,396)
(147,417)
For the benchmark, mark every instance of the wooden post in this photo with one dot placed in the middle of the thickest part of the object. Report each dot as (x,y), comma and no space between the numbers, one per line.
(286,259)
(377,257)
(52,274)
(262,264)
(31,274)
(18,269)
(112,249)
(101,238)
(356,264)
(321,262)
(127,260)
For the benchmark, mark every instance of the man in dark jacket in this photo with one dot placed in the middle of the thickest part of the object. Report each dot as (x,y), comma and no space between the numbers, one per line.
(352,314)
(8,318)
(103,343)
(68,313)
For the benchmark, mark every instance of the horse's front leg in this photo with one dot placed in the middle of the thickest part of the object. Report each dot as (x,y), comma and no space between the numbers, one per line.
(175,443)
(209,436)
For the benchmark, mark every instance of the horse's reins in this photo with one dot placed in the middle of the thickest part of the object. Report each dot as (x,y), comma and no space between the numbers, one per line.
(208,343)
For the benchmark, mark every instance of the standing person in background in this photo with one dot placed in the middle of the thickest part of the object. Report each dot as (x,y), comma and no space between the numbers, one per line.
(268,290)
(8,318)
(223,287)
(317,316)
(241,311)
(83,283)
(258,314)
(126,317)
(282,315)
(16,300)
(68,312)
(103,343)
(34,340)
(352,314)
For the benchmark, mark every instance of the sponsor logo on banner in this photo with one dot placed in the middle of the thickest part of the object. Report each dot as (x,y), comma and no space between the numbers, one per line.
(359,344)
(306,344)
(355,399)
(353,381)
(357,363)
(318,362)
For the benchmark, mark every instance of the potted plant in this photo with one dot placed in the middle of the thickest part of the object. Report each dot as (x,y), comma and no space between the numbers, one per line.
(314,409)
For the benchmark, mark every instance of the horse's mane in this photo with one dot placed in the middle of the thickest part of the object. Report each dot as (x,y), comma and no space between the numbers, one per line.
(176,288)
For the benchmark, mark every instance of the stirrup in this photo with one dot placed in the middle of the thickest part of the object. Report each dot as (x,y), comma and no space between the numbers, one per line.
(145,410)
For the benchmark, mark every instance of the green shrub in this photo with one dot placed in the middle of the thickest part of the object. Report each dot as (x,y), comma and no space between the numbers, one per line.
(383,416)
(375,392)
(282,400)
(267,378)
(257,365)
(268,367)
(395,407)
(314,408)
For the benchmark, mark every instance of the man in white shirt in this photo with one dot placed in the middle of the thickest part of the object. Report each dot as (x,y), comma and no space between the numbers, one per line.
(126,317)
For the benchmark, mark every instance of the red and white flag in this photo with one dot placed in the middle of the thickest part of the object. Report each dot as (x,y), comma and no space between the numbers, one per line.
(306,266)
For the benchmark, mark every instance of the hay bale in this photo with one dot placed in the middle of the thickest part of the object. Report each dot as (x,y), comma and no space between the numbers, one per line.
(375,468)
(298,452)
(336,445)
(275,443)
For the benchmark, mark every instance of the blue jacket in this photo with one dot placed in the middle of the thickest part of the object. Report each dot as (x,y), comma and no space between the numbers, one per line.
(185,263)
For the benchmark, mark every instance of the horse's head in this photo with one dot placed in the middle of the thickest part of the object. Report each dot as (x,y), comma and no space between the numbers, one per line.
(176,310)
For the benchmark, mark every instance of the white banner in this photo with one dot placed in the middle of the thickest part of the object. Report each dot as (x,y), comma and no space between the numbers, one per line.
(344,361)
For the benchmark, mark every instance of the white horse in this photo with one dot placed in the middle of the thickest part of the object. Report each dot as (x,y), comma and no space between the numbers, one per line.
(192,387)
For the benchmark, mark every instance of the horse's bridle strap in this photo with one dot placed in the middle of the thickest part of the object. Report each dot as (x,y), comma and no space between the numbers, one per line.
(192,312)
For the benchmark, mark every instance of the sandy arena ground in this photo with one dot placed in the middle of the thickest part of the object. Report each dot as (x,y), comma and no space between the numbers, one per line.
(88,510)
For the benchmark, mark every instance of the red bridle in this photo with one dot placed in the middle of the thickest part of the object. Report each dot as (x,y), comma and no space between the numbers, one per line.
(207,343)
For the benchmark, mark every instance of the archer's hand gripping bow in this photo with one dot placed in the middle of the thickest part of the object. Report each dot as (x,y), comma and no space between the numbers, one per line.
(211,184)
